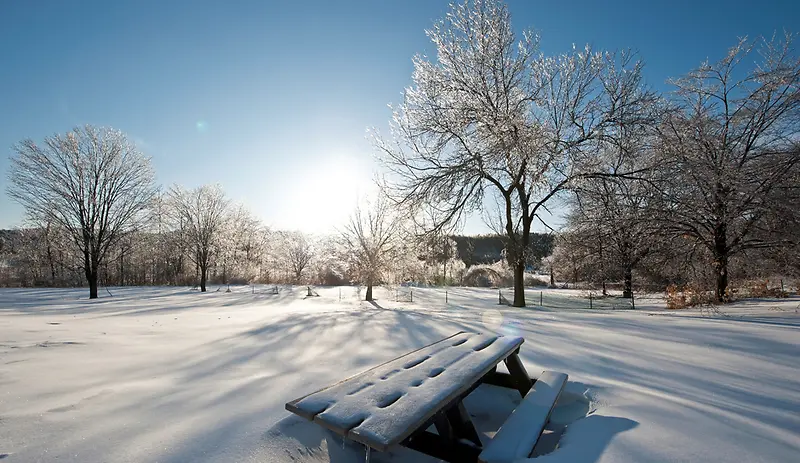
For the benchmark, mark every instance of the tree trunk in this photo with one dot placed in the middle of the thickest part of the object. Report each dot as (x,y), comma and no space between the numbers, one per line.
(369,292)
(519,284)
(627,290)
(721,272)
(92,286)
(52,264)
(90,269)
(203,274)
(721,262)
(602,267)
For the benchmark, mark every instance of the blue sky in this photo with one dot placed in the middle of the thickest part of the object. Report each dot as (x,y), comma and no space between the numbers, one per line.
(273,99)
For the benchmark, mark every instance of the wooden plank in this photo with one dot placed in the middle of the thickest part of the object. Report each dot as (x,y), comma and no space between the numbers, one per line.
(519,375)
(519,434)
(292,406)
(449,386)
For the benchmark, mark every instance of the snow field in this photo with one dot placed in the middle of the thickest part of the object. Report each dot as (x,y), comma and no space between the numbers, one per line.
(173,375)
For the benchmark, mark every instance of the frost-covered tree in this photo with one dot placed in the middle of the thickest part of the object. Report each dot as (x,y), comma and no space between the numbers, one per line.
(611,223)
(613,218)
(296,252)
(239,250)
(199,216)
(370,240)
(92,182)
(492,117)
(440,254)
(732,142)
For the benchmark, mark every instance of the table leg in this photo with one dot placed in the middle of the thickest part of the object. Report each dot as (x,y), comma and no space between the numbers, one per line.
(462,424)
(444,428)
(519,376)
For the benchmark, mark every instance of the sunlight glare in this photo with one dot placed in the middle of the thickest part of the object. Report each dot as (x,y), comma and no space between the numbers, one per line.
(329,192)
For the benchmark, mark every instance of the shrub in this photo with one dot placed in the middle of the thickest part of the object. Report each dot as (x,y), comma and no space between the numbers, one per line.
(687,296)
(675,297)
(535,280)
(759,288)
(488,276)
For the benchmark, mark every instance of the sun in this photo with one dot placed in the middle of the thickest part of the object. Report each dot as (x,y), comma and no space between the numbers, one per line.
(329,192)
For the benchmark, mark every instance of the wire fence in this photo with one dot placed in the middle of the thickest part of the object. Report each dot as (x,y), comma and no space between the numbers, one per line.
(551,299)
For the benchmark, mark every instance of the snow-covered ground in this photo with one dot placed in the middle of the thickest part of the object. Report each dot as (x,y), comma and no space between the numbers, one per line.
(172,375)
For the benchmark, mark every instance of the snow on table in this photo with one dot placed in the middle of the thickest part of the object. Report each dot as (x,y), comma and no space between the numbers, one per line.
(382,406)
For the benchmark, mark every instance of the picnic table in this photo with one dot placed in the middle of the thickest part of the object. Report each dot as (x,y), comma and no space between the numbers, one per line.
(396,402)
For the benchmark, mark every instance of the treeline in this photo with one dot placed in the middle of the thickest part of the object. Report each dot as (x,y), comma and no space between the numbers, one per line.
(488,249)
(246,251)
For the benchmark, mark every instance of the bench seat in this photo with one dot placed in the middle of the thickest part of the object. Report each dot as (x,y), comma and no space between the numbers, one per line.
(520,432)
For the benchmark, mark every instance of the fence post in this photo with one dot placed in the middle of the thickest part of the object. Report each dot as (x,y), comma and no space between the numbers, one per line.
(540,299)
(590,301)
(412,295)
(445,296)
(633,304)
(781,287)
(340,293)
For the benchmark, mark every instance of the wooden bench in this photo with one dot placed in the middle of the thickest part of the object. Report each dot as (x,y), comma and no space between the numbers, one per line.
(520,432)
(395,403)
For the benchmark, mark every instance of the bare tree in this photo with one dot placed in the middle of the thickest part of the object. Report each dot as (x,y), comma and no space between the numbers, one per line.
(297,253)
(200,215)
(612,218)
(370,240)
(732,140)
(91,181)
(241,245)
(491,117)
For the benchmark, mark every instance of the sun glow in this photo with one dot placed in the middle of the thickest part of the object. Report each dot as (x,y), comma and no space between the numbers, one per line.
(328,193)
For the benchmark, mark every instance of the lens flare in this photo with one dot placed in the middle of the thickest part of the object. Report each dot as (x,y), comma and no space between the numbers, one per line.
(202,126)
(511,328)
(492,320)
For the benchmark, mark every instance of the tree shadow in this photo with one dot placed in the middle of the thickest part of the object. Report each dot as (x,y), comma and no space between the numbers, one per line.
(585,440)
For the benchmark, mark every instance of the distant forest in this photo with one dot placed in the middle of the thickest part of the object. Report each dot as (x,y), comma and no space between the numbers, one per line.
(488,249)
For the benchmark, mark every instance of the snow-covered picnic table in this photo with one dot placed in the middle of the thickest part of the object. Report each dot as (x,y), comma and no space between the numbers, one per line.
(396,402)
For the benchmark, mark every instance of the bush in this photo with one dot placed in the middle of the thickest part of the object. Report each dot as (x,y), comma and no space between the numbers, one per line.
(758,288)
(689,295)
(488,276)
(536,280)
(329,277)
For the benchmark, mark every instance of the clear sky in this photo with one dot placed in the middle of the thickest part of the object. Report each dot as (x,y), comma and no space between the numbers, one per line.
(272,99)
